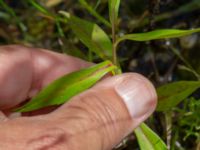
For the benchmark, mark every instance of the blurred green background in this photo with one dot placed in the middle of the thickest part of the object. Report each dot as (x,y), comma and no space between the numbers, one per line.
(162,61)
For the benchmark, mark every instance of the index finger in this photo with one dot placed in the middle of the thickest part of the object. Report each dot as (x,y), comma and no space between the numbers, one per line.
(24,71)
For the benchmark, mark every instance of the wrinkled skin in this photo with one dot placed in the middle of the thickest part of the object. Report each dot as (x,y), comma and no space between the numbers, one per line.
(96,119)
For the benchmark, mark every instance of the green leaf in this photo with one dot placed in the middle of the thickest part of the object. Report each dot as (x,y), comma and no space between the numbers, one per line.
(40,8)
(4,15)
(64,88)
(113,10)
(46,12)
(148,139)
(169,95)
(94,12)
(91,35)
(189,69)
(157,34)
(97,4)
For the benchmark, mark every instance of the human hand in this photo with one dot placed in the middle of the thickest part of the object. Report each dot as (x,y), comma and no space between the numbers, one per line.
(96,119)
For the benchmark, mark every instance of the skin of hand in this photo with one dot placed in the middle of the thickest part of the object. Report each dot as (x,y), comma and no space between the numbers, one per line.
(97,119)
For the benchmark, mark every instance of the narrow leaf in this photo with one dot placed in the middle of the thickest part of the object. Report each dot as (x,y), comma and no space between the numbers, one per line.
(169,95)
(189,69)
(64,88)
(94,12)
(91,35)
(97,4)
(48,14)
(148,139)
(113,10)
(5,15)
(157,34)
(40,8)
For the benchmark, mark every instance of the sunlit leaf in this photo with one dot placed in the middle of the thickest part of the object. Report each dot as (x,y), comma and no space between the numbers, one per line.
(94,12)
(148,139)
(157,34)
(91,35)
(113,10)
(169,95)
(64,88)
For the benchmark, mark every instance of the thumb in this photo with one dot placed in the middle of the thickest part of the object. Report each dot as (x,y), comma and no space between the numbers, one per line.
(102,116)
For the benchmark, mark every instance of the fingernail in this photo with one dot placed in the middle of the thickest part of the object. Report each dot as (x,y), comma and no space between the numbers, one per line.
(138,95)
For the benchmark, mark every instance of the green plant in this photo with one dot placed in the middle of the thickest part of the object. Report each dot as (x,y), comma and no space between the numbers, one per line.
(187,124)
(105,46)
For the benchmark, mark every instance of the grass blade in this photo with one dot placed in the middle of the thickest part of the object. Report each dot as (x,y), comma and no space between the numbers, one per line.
(94,12)
(40,8)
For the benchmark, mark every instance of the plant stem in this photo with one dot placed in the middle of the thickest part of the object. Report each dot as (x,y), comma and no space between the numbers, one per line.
(114,55)
(198,145)
(114,47)
(168,119)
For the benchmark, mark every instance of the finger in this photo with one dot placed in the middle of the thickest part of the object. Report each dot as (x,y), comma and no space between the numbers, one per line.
(24,71)
(3,117)
(100,117)
(94,120)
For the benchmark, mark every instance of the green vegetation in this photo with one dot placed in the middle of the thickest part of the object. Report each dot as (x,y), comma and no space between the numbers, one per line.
(156,42)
